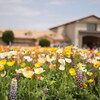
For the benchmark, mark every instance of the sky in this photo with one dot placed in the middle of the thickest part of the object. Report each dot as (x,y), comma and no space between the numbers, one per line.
(44,14)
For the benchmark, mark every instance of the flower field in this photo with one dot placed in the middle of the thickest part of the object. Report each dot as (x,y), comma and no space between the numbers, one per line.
(49,74)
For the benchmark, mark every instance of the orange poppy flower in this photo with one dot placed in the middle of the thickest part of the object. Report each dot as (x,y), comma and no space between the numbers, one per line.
(1,48)
(51,66)
(21,55)
(1,67)
(19,61)
(29,69)
(38,77)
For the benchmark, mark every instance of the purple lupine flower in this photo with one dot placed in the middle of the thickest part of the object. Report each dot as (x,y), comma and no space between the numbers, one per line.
(17,76)
(46,91)
(13,89)
(79,79)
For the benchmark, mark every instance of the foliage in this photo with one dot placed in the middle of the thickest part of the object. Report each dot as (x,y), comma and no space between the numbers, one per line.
(44,42)
(8,36)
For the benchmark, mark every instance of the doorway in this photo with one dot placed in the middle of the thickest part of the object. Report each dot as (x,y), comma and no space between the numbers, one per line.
(91,41)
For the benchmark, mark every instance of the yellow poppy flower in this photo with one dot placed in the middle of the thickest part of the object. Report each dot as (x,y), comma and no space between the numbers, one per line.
(3,62)
(72,71)
(37,65)
(90,80)
(10,63)
(97,65)
(23,65)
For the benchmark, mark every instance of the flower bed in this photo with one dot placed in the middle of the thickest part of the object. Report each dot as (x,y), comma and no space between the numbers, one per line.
(49,74)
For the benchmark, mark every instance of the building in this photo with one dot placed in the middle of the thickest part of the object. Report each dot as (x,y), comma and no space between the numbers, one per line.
(30,37)
(81,32)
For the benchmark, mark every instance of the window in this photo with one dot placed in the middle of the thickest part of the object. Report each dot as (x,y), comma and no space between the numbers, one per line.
(51,34)
(91,27)
(28,34)
(25,33)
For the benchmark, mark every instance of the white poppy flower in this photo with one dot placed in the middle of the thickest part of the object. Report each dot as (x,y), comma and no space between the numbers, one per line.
(62,67)
(68,60)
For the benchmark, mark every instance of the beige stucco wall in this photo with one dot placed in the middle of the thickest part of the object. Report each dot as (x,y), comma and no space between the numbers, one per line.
(70,31)
(24,42)
(67,31)
(78,27)
(98,27)
(91,20)
(61,29)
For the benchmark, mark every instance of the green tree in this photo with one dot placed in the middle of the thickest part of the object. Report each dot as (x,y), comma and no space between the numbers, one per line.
(44,42)
(8,36)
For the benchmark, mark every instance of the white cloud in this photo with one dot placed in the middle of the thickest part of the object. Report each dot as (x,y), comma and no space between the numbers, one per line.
(58,2)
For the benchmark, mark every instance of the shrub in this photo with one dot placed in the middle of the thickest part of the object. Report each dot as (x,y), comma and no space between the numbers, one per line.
(8,36)
(44,42)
